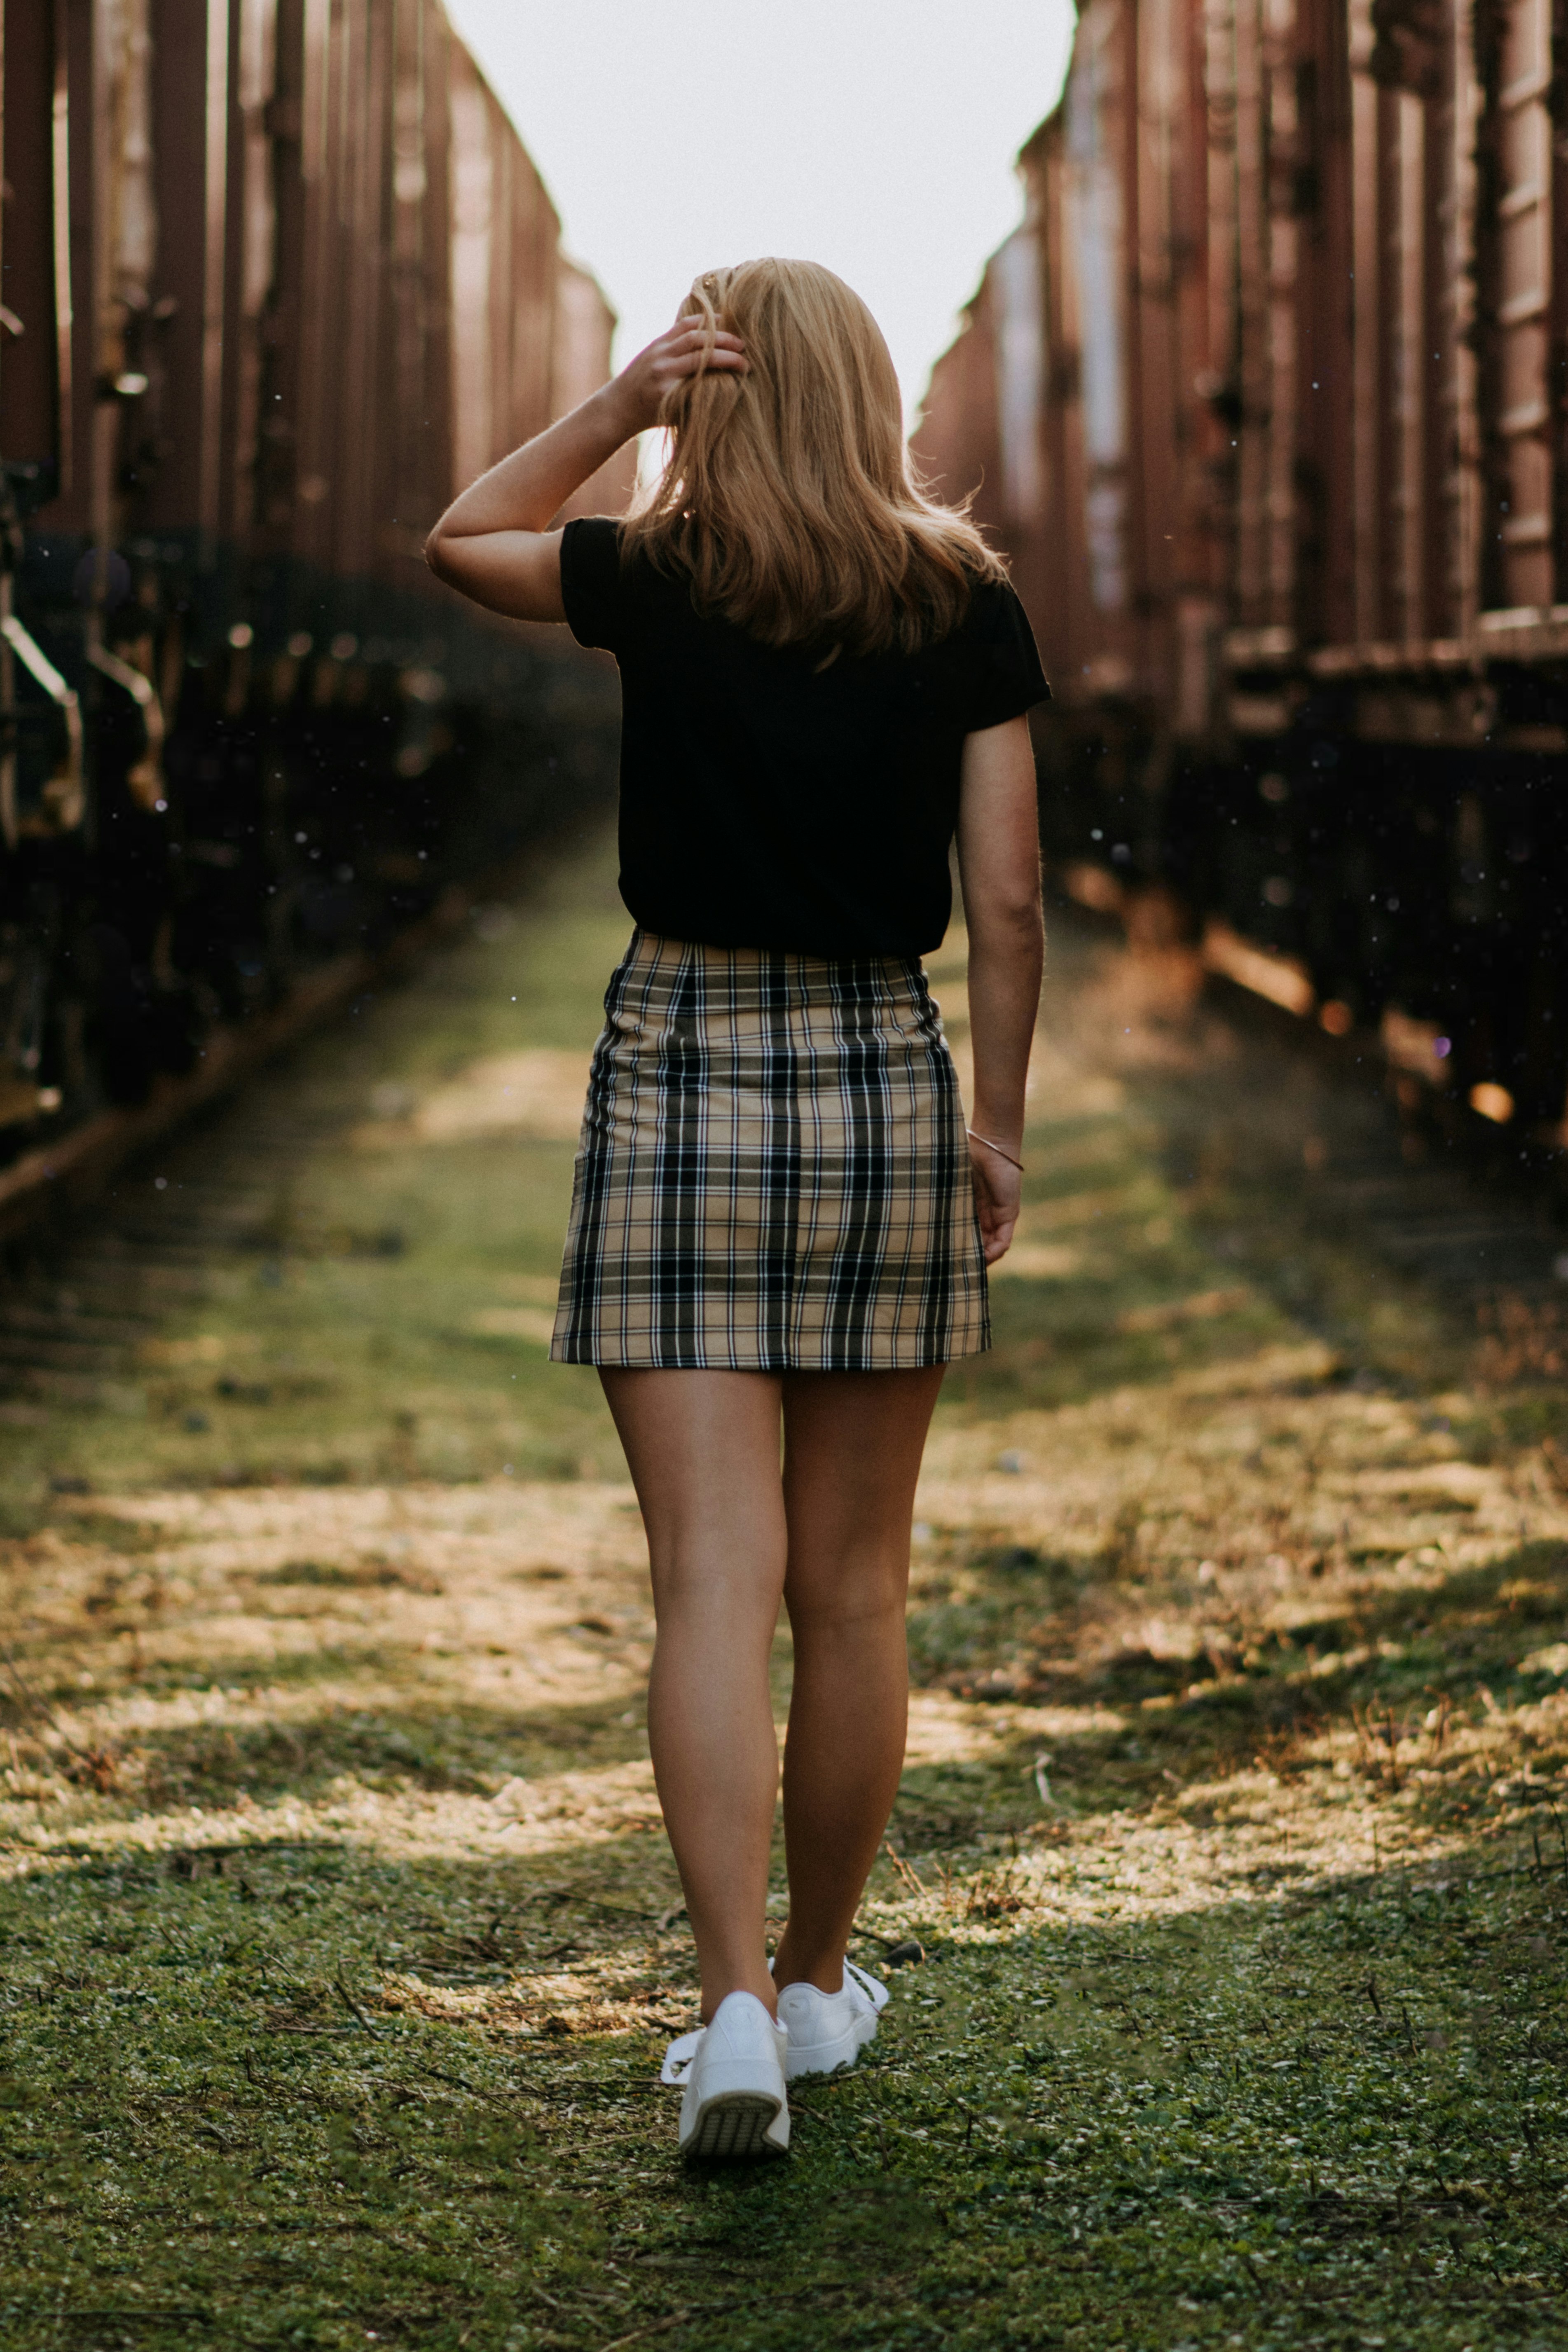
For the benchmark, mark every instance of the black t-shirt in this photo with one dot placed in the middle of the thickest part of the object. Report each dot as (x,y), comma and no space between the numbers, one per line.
(768,804)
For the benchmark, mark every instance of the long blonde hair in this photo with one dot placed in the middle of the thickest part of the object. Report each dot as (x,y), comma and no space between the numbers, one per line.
(788,498)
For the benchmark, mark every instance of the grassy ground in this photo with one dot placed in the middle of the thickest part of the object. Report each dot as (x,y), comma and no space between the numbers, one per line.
(338,1938)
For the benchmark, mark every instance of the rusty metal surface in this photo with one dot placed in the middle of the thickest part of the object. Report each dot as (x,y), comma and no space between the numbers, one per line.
(1520,422)
(1298,557)
(1300,310)
(287,275)
(579,364)
(27,281)
(278,278)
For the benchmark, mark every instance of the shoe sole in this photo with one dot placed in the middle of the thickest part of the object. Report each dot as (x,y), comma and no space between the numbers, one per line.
(734,2123)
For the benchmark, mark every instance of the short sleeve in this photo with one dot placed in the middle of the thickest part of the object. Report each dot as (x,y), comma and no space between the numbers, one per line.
(1002,676)
(591,580)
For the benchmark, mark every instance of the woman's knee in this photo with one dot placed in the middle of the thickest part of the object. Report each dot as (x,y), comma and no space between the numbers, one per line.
(718,1582)
(859,1603)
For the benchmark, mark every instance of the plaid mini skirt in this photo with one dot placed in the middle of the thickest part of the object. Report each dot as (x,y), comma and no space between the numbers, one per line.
(773,1174)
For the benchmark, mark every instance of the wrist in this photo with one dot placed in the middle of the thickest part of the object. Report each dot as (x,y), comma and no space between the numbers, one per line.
(988,1155)
(619,407)
(998,1128)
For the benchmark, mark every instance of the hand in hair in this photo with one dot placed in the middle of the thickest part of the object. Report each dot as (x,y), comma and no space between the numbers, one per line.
(494,541)
(688,348)
(794,512)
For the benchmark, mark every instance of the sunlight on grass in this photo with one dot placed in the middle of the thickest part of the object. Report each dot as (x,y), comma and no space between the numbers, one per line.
(1224,1897)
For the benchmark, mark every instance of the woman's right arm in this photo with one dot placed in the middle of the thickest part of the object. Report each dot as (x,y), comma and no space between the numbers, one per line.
(494,544)
(999,865)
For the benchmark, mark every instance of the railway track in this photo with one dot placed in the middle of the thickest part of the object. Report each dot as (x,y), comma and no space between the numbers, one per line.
(1363,1174)
(1278,1145)
(74,1318)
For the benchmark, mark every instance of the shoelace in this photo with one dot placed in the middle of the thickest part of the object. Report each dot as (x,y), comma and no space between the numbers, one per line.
(680,2056)
(859,1983)
(870,1988)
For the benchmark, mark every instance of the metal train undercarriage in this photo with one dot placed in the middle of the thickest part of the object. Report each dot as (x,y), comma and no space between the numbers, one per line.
(276,277)
(1265,400)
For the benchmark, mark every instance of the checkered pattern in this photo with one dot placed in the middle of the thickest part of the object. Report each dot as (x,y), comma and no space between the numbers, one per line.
(773,1174)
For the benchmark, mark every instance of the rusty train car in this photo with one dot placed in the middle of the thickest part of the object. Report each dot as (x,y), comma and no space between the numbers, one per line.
(276,277)
(1267,400)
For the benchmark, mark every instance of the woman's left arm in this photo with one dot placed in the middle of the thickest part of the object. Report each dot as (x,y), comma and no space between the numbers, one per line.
(999,865)
(493,542)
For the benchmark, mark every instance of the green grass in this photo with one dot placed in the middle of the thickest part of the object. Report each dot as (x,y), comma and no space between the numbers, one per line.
(338,1941)
(339,1338)
(1312,2122)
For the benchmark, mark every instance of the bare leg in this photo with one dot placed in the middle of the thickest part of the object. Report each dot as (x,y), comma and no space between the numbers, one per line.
(853,1443)
(704,1454)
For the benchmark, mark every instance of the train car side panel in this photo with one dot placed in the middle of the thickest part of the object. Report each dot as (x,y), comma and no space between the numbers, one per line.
(29,421)
(261,247)
(583,331)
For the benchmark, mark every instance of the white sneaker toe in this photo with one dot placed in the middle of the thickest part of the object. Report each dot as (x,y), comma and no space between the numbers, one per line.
(732,2074)
(829,2030)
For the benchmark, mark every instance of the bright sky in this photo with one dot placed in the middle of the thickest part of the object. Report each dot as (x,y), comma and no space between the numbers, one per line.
(876,136)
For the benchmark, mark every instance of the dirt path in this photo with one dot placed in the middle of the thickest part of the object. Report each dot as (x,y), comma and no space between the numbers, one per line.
(340,1935)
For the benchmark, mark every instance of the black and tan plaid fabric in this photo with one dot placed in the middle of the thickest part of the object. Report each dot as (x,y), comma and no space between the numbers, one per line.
(773,1174)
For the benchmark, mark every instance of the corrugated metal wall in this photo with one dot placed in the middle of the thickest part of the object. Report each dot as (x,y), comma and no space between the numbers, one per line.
(1298,555)
(279,278)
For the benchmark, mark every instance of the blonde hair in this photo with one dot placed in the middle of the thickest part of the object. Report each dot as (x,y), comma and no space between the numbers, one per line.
(789,499)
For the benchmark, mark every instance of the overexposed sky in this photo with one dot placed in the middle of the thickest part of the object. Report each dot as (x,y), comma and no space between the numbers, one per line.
(876,136)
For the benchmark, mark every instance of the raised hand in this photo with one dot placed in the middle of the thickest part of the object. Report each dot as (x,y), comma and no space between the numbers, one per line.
(494,541)
(690,348)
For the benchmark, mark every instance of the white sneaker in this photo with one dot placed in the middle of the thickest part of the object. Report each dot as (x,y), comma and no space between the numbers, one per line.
(829,2030)
(733,2075)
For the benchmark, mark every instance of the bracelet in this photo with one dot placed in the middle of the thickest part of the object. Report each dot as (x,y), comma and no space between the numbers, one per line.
(996,1148)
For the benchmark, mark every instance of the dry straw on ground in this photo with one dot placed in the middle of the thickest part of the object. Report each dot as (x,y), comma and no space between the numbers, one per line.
(1224,1897)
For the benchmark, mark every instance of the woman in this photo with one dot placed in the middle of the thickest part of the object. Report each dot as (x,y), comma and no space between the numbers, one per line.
(779,1221)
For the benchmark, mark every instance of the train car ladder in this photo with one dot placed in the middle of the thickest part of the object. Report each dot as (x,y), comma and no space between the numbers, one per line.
(71,802)
(146,777)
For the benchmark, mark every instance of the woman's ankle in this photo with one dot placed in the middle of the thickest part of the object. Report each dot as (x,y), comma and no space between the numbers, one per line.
(794,1962)
(761,1989)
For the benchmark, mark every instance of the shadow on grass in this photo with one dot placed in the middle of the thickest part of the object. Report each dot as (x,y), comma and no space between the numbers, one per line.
(1058,1342)
(1393,1672)
(1291,2122)
(1402,1667)
(409,1745)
